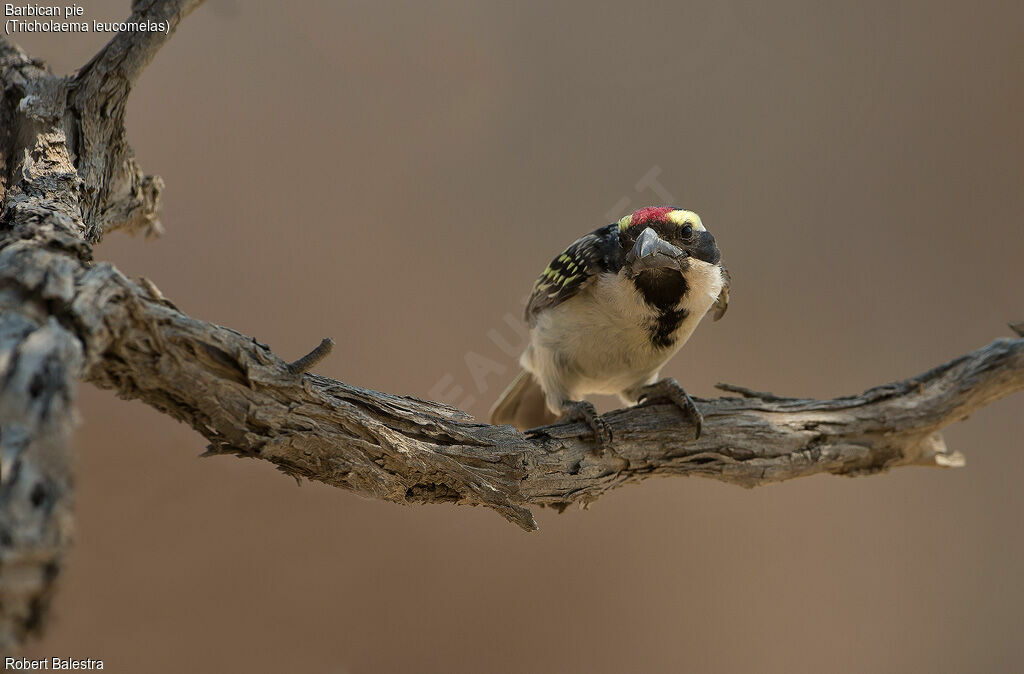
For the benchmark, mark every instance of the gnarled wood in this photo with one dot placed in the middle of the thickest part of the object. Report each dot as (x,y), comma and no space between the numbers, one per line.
(39,355)
(66,175)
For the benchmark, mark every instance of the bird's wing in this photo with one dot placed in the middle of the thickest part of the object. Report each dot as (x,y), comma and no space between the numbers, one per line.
(722,303)
(574,269)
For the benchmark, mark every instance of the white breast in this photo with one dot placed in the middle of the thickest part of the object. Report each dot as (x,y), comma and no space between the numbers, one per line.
(599,340)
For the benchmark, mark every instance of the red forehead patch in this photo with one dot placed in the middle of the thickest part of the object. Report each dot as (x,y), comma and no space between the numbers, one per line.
(651,214)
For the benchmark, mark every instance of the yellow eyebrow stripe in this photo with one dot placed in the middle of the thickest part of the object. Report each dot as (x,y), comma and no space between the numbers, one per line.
(685,217)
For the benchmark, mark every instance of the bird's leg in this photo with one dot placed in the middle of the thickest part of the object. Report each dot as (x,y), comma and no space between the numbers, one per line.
(668,389)
(581,410)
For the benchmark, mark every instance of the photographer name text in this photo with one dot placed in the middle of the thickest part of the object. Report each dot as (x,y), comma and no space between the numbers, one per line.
(58,664)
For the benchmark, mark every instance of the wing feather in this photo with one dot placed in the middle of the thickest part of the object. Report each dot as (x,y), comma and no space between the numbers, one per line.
(575,269)
(722,303)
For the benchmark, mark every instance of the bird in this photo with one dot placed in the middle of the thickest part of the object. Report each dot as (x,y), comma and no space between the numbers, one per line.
(608,313)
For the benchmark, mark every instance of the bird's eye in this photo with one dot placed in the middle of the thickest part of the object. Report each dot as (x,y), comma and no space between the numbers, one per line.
(686,230)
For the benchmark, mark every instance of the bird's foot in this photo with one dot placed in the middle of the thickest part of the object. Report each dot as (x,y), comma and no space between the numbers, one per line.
(581,410)
(669,390)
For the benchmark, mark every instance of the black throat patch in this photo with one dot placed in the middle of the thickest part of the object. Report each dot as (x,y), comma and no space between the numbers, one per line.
(663,290)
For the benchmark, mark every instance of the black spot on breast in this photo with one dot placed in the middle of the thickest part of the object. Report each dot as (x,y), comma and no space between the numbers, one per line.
(663,328)
(663,289)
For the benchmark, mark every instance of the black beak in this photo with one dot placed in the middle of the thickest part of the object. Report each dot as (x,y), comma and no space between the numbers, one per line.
(652,252)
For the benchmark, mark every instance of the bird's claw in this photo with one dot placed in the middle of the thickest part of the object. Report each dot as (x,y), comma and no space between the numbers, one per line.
(581,410)
(669,390)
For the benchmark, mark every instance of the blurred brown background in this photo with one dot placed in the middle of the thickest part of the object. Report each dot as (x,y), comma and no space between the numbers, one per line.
(395,175)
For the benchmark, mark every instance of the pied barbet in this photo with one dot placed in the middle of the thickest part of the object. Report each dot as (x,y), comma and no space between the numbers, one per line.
(609,312)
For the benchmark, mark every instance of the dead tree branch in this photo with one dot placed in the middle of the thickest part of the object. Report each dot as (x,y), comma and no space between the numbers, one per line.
(117,194)
(68,177)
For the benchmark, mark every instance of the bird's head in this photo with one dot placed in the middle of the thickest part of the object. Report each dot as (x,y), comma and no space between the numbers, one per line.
(664,240)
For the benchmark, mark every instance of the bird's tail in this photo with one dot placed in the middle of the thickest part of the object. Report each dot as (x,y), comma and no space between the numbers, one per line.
(523,404)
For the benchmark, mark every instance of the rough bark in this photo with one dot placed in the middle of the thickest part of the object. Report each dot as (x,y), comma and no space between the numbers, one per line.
(68,177)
